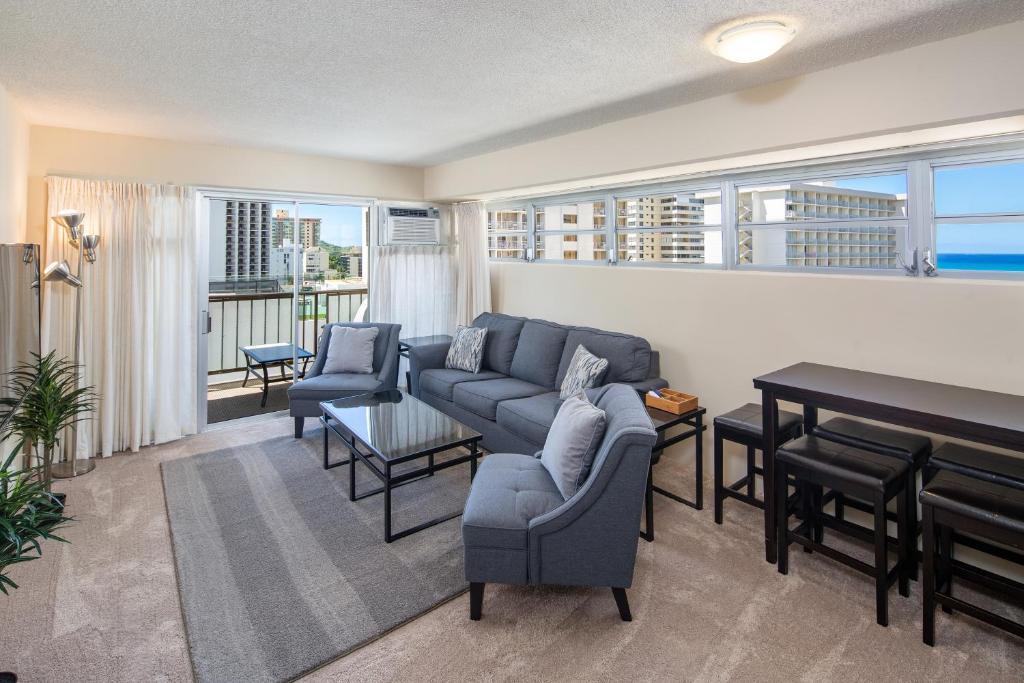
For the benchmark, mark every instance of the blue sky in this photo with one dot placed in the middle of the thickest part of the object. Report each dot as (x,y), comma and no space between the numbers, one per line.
(996,188)
(340,225)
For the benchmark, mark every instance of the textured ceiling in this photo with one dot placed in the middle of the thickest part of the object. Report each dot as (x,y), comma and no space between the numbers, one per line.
(423,82)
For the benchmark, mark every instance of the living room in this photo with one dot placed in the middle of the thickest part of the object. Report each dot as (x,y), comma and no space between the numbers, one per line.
(812,206)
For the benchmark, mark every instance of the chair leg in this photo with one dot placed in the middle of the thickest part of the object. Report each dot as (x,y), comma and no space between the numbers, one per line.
(928,576)
(752,481)
(807,511)
(881,563)
(903,536)
(840,506)
(946,563)
(911,505)
(476,600)
(298,427)
(622,603)
(719,477)
(782,516)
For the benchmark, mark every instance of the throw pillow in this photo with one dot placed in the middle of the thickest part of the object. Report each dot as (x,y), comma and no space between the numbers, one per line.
(467,349)
(350,349)
(585,371)
(572,443)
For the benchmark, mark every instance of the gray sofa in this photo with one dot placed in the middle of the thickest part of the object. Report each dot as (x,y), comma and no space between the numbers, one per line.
(513,399)
(304,397)
(518,529)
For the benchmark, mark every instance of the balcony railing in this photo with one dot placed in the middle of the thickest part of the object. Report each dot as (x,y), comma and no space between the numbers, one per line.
(249,319)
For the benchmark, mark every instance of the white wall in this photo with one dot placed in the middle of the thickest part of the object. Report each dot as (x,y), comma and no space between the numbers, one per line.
(103,155)
(14,146)
(717,330)
(962,79)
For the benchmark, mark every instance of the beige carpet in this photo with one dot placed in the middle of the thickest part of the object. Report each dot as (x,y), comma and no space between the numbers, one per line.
(706,607)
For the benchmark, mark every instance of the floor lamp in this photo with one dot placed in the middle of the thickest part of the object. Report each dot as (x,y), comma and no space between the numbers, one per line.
(60,271)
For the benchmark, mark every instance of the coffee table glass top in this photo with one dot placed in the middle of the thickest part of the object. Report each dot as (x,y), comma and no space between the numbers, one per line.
(274,353)
(397,426)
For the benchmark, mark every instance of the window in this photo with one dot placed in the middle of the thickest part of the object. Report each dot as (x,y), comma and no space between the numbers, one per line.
(979,217)
(571,232)
(670,227)
(507,235)
(836,222)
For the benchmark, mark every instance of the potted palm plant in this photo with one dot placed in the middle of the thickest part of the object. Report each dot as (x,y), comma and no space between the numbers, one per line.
(50,401)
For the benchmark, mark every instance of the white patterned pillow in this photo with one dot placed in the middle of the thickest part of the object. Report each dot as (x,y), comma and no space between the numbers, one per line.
(467,349)
(585,372)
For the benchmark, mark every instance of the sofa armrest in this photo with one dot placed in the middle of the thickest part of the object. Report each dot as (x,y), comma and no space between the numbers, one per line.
(422,358)
(648,384)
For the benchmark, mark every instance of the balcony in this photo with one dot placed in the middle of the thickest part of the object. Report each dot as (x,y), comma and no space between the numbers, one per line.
(257,316)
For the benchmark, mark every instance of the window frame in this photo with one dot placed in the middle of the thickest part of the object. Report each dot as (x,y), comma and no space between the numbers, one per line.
(937,219)
(525,233)
(920,224)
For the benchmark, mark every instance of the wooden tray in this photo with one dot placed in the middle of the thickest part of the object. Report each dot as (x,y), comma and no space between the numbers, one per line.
(675,402)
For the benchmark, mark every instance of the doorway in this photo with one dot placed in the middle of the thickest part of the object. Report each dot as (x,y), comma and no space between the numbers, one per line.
(275,269)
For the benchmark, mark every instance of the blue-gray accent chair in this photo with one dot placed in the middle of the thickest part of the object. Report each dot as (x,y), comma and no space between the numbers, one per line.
(518,529)
(304,397)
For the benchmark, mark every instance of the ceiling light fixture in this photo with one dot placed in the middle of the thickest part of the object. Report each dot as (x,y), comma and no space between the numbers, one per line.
(754,41)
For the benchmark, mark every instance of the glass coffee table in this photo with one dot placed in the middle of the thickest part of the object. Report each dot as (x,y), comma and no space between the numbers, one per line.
(387,428)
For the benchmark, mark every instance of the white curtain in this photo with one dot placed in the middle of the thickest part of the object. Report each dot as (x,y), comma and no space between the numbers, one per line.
(414,286)
(139,309)
(473,284)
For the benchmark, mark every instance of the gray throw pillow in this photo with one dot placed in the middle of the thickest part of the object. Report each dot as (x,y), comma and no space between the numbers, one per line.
(572,443)
(585,372)
(350,349)
(467,349)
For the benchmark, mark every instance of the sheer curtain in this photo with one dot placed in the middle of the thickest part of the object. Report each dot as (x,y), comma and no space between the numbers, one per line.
(414,286)
(473,285)
(139,317)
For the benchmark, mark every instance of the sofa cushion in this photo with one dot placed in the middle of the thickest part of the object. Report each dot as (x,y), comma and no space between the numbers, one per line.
(508,491)
(530,418)
(572,442)
(483,397)
(335,385)
(441,381)
(629,357)
(467,349)
(539,352)
(502,337)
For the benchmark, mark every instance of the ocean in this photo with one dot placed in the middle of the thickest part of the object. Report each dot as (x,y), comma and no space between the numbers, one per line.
(981,262)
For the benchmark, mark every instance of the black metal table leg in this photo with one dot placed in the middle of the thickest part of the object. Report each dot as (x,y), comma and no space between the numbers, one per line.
(648,533)
(699,446)
(324,420)
(351,474)
(266,385)
(387,502)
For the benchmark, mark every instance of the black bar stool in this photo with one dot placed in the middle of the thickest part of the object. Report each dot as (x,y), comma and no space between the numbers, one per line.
(815,463)
(743,426)
(953,504)
(980,464)
(913,449)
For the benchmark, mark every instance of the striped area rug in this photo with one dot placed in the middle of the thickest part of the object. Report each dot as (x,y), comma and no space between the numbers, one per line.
(279,573)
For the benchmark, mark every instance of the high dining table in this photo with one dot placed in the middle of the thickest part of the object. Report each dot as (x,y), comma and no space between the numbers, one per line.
(977,415)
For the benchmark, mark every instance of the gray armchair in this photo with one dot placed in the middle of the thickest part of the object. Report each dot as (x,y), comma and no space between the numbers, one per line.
(304,397)
(518,529)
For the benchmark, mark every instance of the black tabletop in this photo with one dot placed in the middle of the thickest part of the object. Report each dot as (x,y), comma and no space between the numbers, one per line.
(425,341)
(919,403)
(395,425)
(274,353)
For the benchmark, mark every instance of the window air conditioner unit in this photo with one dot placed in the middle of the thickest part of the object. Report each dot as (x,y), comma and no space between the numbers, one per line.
(405,226)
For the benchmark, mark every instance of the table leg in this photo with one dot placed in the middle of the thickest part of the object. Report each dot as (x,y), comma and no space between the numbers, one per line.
(769,425)
(648,532)
(472,463)
(352,474)
(246,379)
(810,419)
(266,385)
(325,442)
(700,461)
(387,502)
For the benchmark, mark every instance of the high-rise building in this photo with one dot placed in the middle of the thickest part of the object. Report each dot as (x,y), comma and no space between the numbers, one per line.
(661,211)
(239,240)
(858,246)
(283,225)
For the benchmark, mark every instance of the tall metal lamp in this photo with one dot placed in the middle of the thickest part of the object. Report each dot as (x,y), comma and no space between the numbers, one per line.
(60,271)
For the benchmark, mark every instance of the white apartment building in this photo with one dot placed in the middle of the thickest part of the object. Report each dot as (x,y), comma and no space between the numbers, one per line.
(857,246)
(315,262)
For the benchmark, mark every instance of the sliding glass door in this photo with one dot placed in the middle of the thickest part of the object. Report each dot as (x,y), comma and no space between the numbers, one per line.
(278,269)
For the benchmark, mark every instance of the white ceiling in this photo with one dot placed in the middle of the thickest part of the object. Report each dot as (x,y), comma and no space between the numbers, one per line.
(409,82)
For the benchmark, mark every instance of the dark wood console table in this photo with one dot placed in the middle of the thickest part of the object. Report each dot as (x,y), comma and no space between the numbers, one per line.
(986,417)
